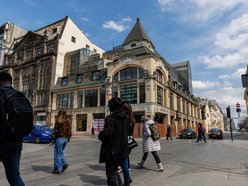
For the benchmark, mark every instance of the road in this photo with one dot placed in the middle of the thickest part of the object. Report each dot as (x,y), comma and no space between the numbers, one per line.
(187,163)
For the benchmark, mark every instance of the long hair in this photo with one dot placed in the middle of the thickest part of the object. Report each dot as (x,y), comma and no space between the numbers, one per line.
(62,113)
(127,108)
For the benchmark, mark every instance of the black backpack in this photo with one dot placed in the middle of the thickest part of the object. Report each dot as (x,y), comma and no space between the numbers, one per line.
(16,114)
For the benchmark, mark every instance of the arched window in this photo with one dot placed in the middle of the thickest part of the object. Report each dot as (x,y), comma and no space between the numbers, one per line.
(129,89)
(159,76)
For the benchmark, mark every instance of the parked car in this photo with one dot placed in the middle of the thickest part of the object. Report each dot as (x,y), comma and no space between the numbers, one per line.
(215,133)
(40,133)
(188,133)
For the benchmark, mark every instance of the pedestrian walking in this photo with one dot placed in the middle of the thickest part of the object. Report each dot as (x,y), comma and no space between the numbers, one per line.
(201,133)
(61,137)
(168,132)
(149,145)
(93,132)
(114,147)
(11,133)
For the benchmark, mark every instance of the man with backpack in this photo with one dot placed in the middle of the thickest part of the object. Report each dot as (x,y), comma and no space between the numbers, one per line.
(11,130)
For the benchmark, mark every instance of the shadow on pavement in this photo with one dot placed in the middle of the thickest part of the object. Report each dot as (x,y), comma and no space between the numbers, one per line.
(42,168)
(95,180)
(96,167)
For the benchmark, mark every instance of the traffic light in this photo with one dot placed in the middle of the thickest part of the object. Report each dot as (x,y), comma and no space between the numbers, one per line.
(228,112)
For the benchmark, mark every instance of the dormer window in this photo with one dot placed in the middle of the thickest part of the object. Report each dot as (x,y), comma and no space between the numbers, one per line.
(79,78)
(55,30)
(64,81)
(133,45)
(95,75)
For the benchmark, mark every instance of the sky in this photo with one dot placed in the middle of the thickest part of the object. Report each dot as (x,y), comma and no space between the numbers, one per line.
(212,35)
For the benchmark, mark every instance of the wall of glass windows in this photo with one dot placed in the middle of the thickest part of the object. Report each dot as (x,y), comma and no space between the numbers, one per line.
(129,89)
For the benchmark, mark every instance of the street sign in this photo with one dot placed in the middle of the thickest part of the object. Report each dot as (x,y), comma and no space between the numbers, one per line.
(237,105)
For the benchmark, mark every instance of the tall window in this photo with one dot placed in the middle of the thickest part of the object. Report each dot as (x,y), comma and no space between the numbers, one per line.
(178,104)
(183,106)
(171,101)
(80,99)
(159,95)
(65,100)
(90,98)
(129,93)
(102,97)
(159,76)
(142,93)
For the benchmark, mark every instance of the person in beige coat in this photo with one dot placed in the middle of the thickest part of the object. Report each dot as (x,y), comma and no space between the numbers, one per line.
(149,145)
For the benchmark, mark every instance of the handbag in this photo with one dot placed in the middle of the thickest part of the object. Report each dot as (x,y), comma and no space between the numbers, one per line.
(132,143)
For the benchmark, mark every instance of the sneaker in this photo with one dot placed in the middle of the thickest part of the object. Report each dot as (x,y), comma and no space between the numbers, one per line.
(129,171)
(65,166)
(56,172)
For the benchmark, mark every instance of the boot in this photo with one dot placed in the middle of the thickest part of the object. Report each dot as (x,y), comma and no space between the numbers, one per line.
(141,163)
(160,168)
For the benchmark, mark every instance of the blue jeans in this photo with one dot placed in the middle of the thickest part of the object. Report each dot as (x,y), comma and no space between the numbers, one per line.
(10,155)
(59,158)
(125,170)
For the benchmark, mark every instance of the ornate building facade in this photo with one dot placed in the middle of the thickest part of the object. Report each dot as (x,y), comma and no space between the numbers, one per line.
(133,71)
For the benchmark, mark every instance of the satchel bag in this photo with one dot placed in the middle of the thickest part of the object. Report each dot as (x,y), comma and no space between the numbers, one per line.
(132,143)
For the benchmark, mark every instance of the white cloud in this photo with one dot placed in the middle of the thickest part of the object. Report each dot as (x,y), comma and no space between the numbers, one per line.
(126,19)
(200,11)
(231,45)
(164,3)
(235,35)
(204,85)
(223,61)
(114,26)
(119,26)
(236,75)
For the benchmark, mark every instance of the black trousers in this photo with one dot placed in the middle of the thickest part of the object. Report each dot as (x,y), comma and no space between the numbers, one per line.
(113,177)
(155,155)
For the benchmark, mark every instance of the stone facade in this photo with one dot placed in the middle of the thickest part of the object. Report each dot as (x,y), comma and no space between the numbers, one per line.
(212,115)
(37,60)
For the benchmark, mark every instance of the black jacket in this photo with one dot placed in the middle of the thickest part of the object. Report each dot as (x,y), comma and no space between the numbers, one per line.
(114,137)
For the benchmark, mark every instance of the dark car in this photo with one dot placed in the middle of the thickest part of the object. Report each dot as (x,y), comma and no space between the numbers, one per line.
(188,133)
(215,133)
(40,133)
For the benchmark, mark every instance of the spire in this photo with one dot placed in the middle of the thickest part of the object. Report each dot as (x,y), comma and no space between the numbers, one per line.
(137,34)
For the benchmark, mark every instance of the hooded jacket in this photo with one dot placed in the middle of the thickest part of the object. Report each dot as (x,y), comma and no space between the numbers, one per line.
(114,137)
